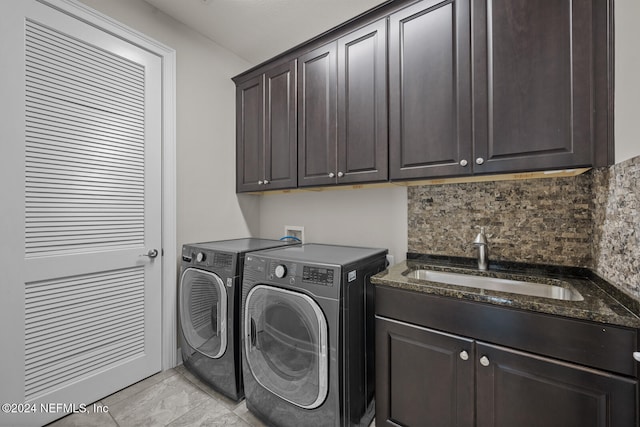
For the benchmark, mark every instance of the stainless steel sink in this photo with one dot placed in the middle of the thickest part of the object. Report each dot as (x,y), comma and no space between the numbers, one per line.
(495,284)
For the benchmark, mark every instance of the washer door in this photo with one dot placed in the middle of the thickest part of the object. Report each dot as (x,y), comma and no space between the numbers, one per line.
(286,345)
(203,312)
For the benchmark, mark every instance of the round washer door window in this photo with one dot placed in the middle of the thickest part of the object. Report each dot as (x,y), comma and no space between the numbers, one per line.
(286,345)
(203,312)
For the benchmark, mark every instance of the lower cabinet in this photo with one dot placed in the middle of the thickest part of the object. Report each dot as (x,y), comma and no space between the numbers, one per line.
(423,377)
(426,377)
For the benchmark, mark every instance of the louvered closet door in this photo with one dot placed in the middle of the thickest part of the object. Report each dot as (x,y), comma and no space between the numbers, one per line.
(81,175)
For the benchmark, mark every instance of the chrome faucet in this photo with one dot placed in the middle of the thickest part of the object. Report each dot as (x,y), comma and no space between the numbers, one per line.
(483,251)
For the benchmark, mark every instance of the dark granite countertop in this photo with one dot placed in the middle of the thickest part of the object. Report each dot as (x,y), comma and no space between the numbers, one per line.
(602,302)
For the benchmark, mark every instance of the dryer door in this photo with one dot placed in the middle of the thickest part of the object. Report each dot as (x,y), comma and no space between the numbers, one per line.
(286,345)
(203,312)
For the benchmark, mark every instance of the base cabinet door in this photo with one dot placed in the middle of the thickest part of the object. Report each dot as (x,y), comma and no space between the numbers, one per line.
(423,377)
(520,389)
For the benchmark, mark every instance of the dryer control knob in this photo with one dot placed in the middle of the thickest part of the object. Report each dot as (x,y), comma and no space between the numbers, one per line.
(200,257)
(281,271)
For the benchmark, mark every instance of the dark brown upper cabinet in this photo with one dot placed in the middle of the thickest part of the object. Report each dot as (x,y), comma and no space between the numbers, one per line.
(432,89)
(429,90)
(538,71)
(342,105)
(362,105)
(540,77)
(266,141)
(317,116)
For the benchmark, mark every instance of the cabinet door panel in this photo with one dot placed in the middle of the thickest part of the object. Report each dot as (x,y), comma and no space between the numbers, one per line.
(317,107)
(362,104)
(520,389)
(429,72)
(421,378)
(250,134)
(281,155)
(533,80)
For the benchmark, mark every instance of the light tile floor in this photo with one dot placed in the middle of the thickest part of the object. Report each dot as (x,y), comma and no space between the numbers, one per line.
(173,398)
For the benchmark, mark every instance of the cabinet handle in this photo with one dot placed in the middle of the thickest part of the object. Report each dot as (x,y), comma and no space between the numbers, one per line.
(331,174)
(464,355)
(484,361)
(260,182)
(463,163)
(266,181)
(479,160)
(340,174)
(636,356)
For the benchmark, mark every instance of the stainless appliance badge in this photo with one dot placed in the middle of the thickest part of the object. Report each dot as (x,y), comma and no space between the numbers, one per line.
(351,276)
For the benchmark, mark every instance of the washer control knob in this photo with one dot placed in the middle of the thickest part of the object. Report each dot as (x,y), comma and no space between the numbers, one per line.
(200,256)
(281,271)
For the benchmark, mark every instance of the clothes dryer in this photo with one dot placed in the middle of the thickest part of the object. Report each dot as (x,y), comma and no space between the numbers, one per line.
(209,308)
(308,320)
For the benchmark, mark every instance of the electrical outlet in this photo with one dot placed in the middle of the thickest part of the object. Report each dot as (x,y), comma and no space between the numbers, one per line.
(294,231)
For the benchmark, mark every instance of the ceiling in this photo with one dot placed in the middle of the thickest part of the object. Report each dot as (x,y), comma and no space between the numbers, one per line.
(257,30)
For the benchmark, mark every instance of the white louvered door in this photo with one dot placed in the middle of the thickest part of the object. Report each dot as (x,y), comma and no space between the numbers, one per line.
(81,209)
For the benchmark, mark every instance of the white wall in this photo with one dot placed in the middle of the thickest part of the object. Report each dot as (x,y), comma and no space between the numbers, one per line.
(365,217)
(208,209)
(627,85)
(207,206)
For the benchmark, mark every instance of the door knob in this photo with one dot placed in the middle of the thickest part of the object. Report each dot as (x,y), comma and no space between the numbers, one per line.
(331,174)
(484,361)
(340,174)
(464,355)
(463,163)
(151,254)
(266,181)
(479,160)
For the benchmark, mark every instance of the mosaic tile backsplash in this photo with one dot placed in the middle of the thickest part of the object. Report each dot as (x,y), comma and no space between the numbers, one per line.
(591,220)
(545,221)
(616,217)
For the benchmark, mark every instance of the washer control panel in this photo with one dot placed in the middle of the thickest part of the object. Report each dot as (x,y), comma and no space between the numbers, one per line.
(317,275)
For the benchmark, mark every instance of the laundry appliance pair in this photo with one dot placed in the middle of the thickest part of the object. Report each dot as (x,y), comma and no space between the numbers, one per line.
(291,327)
(209,293)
